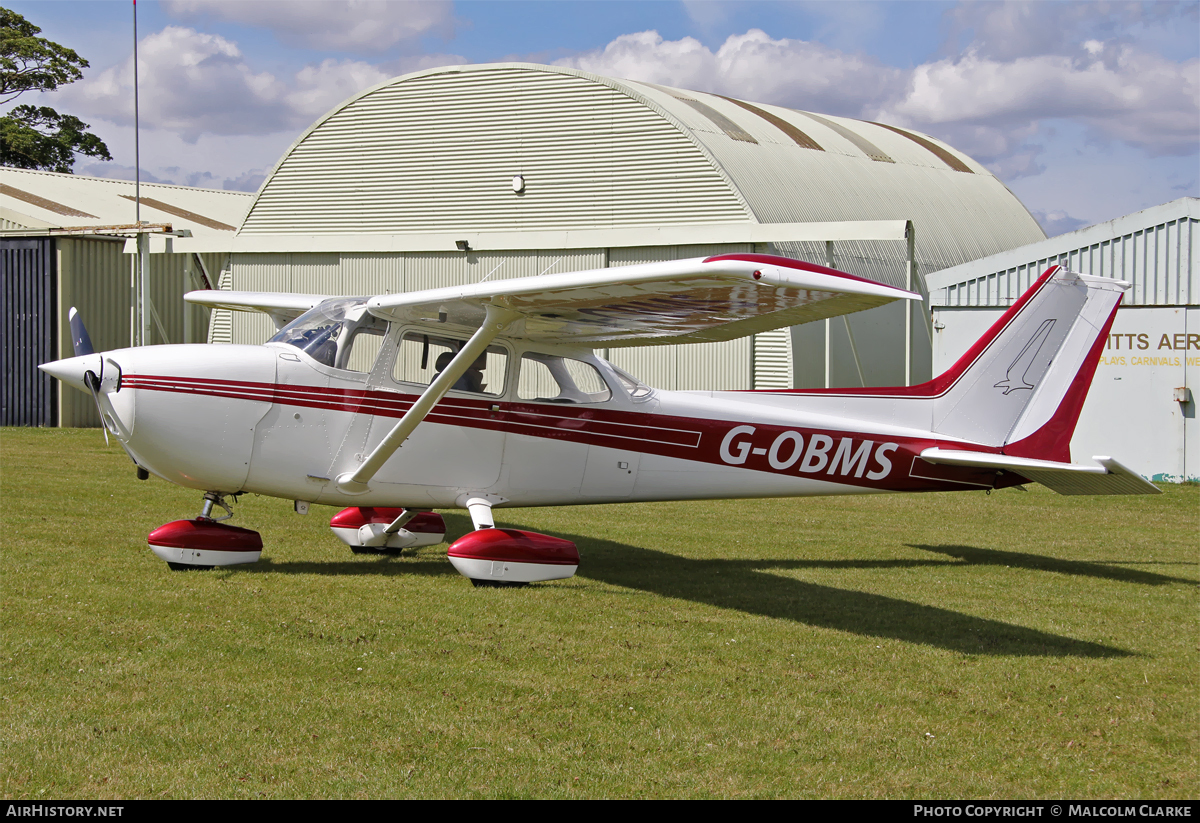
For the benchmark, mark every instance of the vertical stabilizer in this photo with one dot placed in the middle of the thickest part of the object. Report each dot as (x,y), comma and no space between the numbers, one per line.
(1022,386)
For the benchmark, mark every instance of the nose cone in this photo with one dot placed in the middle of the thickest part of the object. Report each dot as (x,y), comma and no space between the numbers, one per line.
(72,369)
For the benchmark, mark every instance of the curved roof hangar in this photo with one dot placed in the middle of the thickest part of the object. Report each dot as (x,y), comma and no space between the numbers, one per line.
(436,151)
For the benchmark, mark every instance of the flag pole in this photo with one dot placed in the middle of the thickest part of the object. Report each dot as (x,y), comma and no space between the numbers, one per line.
(141,278)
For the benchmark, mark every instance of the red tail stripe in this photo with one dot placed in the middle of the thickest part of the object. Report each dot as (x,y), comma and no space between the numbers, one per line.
(943,382)
(1053,440)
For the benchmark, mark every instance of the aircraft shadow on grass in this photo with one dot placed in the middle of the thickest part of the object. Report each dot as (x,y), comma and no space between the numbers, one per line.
(747,585)
(1106,570)
(375,566)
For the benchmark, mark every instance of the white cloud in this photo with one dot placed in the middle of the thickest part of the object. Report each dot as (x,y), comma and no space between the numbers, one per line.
(192,83)
(994,109)
(1022,87)
(112,171)
(1024,28)
(249,180)
(751,66)
(1057,221)
(1141,99)
(319,88)
(330,25)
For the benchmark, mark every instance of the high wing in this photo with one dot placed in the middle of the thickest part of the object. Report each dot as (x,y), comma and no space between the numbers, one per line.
(683,301)
(283,308)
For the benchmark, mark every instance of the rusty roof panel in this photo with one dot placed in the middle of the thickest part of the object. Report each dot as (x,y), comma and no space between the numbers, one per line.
(722,122)
(184,213)
(798,137)
(868,148)
(42,202)
(945,156)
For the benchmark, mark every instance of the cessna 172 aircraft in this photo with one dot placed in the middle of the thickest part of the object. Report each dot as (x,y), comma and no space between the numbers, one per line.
(489,395)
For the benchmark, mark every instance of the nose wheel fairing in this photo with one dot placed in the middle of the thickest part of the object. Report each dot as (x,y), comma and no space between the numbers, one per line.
(387,530)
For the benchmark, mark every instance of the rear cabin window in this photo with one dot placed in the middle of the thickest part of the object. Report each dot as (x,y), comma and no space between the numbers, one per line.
(422,357)
(548,378)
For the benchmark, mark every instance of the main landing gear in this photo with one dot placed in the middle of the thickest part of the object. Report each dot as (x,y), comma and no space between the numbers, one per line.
(487,556)
(205,542)
(504,558)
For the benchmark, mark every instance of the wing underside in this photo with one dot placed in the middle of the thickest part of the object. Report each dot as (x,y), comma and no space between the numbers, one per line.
(686,301)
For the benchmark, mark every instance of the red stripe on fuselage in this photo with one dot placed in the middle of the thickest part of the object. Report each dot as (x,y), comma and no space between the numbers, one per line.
(847,457)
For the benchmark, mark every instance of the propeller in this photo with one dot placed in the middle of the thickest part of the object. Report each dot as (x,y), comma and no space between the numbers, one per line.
(92,381)
(79,335)
(83,345)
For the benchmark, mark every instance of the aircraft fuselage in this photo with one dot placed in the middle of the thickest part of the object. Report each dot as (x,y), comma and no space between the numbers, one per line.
(274,421)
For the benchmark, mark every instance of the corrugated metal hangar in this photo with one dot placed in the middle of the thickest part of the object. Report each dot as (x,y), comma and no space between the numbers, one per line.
(68,241)
(455,174)
(1140,407)
(541,169)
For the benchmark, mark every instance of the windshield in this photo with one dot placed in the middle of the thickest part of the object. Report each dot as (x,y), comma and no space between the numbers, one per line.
(331,333)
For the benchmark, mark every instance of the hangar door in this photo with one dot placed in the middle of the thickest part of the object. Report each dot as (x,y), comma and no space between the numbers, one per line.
(27,330)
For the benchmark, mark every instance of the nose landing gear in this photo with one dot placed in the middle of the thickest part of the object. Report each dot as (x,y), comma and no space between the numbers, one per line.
(205,542)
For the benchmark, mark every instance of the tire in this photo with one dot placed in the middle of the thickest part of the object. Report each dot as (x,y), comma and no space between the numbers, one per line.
(496,584)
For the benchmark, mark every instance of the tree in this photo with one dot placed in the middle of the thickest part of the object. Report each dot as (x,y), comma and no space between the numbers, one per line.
(38,137)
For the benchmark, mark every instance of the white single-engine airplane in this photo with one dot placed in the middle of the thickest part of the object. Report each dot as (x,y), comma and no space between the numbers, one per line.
(489,395)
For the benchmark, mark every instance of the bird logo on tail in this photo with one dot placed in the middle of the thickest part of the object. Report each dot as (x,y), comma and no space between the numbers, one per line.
(1014,378)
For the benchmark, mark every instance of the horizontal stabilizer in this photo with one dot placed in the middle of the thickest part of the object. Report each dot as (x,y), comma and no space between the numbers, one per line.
(1108,477)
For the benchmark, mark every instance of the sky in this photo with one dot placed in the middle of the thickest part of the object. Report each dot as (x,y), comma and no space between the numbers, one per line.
(1087,111)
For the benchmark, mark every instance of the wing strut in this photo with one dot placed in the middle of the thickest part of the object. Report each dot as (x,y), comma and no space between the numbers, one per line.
(496,321)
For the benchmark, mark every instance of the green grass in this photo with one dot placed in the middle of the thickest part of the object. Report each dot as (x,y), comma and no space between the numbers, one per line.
(1021,644)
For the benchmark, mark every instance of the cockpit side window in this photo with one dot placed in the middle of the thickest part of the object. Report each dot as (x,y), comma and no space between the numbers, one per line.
(637,390)
(361,346)
(339,333)
(549,378)
(422,357)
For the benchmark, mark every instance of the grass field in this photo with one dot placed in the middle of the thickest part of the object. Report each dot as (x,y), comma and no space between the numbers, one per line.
(1017,645)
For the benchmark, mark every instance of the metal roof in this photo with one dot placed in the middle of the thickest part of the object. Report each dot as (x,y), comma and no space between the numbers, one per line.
(34,200)
(1156,249)
(435,152)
